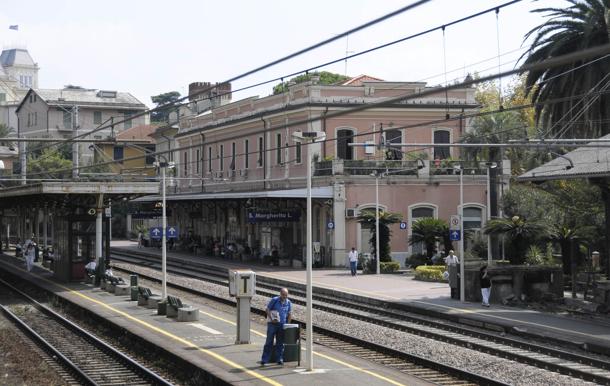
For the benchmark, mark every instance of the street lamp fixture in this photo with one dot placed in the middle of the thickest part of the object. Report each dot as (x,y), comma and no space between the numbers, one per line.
(163,166)
(309,137)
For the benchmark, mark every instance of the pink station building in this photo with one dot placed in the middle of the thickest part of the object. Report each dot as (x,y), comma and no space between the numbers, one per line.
(240,175)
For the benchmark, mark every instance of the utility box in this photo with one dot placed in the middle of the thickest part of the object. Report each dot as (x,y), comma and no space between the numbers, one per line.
(242,283)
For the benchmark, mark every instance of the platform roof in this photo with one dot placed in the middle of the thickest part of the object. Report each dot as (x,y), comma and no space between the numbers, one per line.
(587,162)
(81,188)
(317,192)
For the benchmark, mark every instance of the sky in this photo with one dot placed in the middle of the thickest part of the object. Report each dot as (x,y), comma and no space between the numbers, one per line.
(154,46)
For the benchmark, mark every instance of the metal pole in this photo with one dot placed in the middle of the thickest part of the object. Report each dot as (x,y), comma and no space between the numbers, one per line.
(489,256)
(163,239)
(461,213)
(309,316)
(377,254)
(75,145)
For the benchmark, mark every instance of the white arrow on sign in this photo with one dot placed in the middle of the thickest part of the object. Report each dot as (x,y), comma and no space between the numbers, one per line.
(171,231)
(156,231)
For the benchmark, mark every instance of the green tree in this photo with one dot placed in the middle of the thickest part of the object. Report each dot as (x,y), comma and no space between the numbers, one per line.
(50,164)
(582,25)
(573,209)
(325,78)
(162,115)
(6,131)
(367,218)
(520,232)
(429,231)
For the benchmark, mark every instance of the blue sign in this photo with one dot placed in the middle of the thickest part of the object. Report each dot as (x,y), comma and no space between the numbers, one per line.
(155,233)
(403,225)
(330,225)
(172,232)
(292,216)
(455,235)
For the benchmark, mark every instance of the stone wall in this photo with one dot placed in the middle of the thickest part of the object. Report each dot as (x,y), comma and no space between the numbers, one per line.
(533,282)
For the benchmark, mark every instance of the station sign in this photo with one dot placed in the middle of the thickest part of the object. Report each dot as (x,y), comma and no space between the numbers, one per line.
(172,232)
(454,222)
(330,225)
(283,216)
(403,225)
(455,235)
(155,233)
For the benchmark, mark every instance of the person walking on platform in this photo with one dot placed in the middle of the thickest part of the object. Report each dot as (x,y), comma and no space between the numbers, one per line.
(353,261)
(29,256)
(453,262)
(485,285)
(140,240)
(279,312)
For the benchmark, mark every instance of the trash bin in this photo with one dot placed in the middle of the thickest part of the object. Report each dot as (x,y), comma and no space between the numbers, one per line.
(133,280)
(292,343)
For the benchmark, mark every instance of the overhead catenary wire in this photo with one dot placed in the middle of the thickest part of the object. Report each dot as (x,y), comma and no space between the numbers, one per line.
(548,63)
(205,90)
(272,63)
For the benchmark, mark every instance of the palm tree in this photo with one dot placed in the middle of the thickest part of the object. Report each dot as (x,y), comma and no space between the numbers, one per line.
(521,233)
(429,231)
(582,25)
(367,218)
(5,131)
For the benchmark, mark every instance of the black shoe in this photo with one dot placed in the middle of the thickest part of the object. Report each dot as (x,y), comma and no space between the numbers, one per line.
(281,363)
(263,364)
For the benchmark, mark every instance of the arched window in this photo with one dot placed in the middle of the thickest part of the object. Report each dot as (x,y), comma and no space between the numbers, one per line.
(441,152)
(473,218)
(415,214)
(391,137)
(344,138)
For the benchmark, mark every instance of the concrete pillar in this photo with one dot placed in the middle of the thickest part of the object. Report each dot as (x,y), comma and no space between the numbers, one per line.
(128,225)
(338,258)
(45,220)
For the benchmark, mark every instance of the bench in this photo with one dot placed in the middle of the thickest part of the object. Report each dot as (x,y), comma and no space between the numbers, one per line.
(146,298)
(111,282)
(184,312)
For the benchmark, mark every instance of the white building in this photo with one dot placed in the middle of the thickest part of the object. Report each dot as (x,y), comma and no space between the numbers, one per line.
(18,73)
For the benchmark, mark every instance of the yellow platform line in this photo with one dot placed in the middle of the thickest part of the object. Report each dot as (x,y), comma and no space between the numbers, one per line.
(167,334)
(372,373)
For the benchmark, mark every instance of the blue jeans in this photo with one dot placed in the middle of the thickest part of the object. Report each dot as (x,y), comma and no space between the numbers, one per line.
(352,266)
(274,330)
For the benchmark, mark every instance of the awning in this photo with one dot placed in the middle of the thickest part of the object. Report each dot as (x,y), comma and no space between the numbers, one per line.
(317,192)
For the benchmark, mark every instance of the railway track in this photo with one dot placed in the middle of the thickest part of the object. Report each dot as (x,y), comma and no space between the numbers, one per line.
(586,367)
(87,359)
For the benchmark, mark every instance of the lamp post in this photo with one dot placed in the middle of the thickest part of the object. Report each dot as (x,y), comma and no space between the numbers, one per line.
(377,175)
(461,244)
(310,137)
(489,166)
(164,165)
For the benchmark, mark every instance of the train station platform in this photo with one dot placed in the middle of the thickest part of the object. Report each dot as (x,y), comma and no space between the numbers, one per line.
(210,342)
(432,299)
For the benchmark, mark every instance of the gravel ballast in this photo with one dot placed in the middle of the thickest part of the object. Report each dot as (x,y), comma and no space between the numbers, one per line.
(470,360)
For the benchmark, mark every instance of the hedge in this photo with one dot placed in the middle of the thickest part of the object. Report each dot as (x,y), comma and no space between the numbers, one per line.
(389,266)
(430,273)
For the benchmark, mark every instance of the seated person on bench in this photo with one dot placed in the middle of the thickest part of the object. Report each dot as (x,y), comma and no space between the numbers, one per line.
(90,267)
(109,275)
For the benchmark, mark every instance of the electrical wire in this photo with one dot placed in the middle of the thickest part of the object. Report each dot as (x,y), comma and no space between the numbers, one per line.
(553,62)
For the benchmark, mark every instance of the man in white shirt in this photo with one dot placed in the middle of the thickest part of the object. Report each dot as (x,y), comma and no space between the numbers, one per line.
(353,260)
(452,259)
(453,262)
